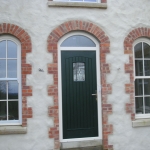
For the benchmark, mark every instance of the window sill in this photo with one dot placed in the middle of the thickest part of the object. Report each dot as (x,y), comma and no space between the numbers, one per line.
(77,4)
(141,123)
(13,130)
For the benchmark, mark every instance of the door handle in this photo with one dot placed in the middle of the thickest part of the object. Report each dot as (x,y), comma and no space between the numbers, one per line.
(95,94)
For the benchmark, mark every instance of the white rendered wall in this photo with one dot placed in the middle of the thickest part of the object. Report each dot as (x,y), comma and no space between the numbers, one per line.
(39,20)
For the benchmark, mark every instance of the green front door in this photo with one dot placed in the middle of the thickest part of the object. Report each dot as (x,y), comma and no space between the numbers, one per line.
(79,106)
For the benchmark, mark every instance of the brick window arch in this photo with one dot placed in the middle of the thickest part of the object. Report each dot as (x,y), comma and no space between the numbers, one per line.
(53,39)
(129,68)
(26,47)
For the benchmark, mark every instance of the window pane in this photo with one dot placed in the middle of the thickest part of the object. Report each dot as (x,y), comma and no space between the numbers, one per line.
(139,105)
(3,49)
(12,90)
(139,67)
(138,50)
(13,110)
(2,90)
(147,105)
(146,50)
(147,67)
(78,41)
(3,111)
(76,0)
(138,87)
(90,0)
(12,69)
(12,50)
(2,68)
(79,71)
(146,86)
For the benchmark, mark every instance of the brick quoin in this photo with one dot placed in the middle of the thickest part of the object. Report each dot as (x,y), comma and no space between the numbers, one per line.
(52,41)
(129,68)
(26,47)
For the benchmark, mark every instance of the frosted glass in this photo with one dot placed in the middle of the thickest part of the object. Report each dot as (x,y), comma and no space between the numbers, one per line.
(79,71)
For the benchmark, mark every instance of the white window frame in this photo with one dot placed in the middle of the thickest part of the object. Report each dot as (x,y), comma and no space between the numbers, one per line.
(76,1)
(140,116)
(97,50)
(18,79)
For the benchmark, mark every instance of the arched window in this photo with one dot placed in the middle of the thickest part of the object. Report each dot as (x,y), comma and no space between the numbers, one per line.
(10,81)
(142,77)
(78,41)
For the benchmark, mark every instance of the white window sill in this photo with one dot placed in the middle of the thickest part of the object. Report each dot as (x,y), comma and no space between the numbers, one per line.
(13,130)
(77,4)
(141,123)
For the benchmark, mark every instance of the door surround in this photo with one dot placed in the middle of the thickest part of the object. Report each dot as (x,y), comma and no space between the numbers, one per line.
(52,45)
(96,49)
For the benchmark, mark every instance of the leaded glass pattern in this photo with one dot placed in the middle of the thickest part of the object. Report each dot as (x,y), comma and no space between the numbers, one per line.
(79,71)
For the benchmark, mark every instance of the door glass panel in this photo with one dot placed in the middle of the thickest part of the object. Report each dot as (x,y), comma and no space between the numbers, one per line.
(139,105)
(79,71)
(12,69)
(138,50)
(139,67)
(138,87)
(147,105)
(3,49)
(2,68)
(78,41)
(146,50)
(13,110)
(3,110)
(12,90)
(2,90)
(12,50)
(147,67)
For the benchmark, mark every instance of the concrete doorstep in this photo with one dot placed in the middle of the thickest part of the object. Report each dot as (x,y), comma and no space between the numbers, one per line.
(95,144)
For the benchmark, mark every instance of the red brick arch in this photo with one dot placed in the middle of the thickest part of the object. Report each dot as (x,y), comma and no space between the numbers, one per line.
(53,39)
(129,68)
(24,38)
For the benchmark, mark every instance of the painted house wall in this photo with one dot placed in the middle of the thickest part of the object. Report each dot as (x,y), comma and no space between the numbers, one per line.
(38,20)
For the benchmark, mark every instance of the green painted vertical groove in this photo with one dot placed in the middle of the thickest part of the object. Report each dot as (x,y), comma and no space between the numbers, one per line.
(79,106)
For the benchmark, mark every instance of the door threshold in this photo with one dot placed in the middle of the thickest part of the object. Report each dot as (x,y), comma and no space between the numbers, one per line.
(77,144)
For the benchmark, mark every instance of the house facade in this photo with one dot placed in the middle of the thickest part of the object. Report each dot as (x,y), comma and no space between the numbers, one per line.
(74,74)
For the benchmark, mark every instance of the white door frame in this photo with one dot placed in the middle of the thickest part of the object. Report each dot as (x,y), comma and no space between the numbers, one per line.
(98,83)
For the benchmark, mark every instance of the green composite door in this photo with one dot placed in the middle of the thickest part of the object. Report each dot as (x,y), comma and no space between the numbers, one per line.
(79,106)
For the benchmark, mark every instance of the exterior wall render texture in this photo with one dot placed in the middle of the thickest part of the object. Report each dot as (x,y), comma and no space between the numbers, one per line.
(39,21)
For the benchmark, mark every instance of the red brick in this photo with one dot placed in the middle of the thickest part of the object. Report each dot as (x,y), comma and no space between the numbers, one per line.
(53,38)
(128,43)
(26,46)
